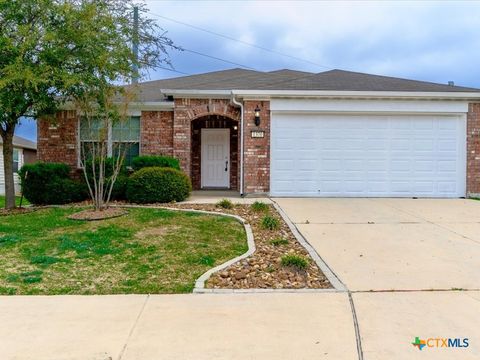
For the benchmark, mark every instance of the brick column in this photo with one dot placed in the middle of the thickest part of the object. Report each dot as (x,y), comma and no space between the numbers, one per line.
(256,150)
(156,134)
(473,150)
(57,140)
(182,134)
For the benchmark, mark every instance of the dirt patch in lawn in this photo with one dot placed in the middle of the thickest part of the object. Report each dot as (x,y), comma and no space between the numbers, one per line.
(93,215)
(264,269)
(155,232)
(16,211)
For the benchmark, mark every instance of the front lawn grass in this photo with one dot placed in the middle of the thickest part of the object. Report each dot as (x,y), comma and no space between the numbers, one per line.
(146,251)
(17,201)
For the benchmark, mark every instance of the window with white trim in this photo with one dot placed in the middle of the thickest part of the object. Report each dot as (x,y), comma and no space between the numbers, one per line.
(122,135)
(126,137)
(16,160)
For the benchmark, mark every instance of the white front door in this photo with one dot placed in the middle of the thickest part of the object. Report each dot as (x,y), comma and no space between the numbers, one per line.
(215,158)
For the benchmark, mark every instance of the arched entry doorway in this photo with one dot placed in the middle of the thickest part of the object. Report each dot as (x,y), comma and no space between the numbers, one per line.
(215,149)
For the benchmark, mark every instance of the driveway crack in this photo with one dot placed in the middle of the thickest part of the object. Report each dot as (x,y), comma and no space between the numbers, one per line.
(433,223)
(137,319)
(356,327)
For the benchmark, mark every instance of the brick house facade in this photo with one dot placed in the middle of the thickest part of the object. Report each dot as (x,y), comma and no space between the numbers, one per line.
(173,125)
(473,149)
(176,133)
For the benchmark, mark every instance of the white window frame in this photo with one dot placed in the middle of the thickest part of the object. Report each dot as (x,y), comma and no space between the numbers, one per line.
(19,161)
(109,140)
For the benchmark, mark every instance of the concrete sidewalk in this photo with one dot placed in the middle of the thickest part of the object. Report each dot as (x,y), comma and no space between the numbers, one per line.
(230,326)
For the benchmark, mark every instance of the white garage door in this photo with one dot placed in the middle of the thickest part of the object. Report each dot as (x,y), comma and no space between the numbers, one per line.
(370,156)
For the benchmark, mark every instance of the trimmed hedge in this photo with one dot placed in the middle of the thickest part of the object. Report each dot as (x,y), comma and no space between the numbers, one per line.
(157,184)
(141,162)
(50,184)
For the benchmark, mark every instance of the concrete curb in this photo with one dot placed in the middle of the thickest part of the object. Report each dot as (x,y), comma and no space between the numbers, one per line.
(200,283)
(266,291)
(334,280)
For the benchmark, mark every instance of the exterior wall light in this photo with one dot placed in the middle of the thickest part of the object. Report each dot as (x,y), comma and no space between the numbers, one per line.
(257,116)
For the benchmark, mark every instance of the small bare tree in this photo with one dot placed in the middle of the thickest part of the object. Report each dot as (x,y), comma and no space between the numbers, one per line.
(100,159)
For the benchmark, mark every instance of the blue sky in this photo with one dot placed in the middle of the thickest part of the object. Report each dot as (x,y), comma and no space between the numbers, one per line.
(426,40)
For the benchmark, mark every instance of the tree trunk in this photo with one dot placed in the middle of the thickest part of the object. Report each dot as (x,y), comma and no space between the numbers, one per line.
(7,137)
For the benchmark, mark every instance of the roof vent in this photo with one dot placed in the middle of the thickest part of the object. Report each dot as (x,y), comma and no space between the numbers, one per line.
(451,83)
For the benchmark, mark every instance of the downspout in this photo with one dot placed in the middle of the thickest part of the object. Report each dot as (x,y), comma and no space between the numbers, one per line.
(241,141)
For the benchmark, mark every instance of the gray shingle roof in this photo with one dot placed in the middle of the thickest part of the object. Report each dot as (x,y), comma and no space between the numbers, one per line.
(333,80)
(23,143)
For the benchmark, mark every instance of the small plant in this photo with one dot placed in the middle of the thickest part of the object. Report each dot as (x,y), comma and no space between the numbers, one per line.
(225,204)
(259,206)
(279,241)
(270,223)
(270,269)
(296,261)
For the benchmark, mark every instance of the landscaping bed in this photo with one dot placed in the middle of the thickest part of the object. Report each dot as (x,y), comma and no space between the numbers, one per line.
(144,251)
(279,262)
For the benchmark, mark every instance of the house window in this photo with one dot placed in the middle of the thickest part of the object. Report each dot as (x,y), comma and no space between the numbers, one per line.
(126,138)
(16,160)
(92,131)
(121,136)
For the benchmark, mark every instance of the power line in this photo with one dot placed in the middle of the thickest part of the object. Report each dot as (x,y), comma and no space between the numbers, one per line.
(173,70)
(241,41)
(217,58)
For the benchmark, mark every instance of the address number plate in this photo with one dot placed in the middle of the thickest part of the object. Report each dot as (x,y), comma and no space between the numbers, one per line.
(258,134)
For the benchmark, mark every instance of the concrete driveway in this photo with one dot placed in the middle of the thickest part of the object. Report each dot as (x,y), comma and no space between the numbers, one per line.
(404,262)
(394,244)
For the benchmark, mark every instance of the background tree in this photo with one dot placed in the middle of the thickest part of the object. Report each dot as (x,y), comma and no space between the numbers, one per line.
(58,51)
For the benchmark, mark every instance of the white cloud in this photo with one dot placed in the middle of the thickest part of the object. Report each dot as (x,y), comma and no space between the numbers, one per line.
(430,40)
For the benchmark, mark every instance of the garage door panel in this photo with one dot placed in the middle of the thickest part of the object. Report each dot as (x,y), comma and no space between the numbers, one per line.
(447,145)
(330,155)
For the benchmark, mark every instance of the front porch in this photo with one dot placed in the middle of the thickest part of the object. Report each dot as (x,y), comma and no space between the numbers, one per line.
(215,153)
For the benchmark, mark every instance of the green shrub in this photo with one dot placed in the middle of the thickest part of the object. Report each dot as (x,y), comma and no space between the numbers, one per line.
(259,206)
(296,261)
(155,184)
(49,183)
(279,241)
(119,191)
(270,223)
(225,204)
(141,162)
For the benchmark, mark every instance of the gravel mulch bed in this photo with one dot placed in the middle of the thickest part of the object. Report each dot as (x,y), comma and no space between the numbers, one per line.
(264,268)
(92,215)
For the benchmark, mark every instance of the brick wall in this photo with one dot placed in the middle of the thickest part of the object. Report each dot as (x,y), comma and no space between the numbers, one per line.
(156,134)
(256,150)
(188,110)
(57,141)
(473,150)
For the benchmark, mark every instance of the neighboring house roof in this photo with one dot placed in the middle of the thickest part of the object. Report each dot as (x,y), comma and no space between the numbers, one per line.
(23,143)
(333,80)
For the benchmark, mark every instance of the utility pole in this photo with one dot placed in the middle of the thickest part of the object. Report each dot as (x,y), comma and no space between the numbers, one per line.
(135,45)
